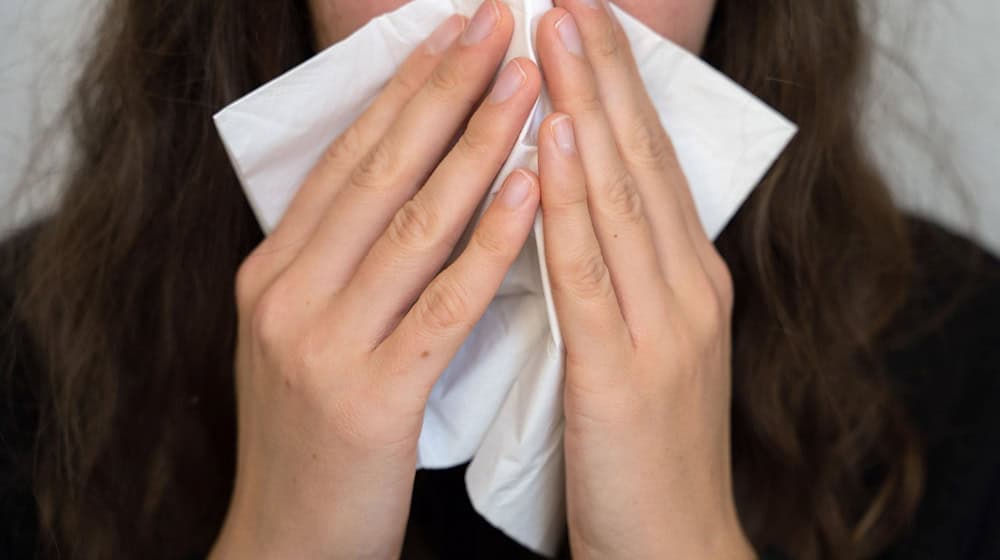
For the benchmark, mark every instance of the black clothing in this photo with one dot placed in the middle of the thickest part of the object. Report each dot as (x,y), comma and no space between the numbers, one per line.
(951,389)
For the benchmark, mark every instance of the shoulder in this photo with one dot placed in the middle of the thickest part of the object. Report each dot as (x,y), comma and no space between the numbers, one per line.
(943,354)
(19,397)
(18,371)
(945,340)
(15,248)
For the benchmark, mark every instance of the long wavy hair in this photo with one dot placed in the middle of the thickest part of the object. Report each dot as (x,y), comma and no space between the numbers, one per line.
(127,289)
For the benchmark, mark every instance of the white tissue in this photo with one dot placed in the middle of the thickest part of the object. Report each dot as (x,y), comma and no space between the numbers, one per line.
(499,403)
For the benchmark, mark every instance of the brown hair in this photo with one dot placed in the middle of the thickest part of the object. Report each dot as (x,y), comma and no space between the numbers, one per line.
(128,289)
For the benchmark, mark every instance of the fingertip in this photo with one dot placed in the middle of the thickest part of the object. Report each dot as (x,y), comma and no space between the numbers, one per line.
(530,69)
(531,175)
(560,47)
(505,13)
(445,34)
(520,188)
(547,32)
(558,131)
(549,119)
(506,17)
(550,18)
(532,179)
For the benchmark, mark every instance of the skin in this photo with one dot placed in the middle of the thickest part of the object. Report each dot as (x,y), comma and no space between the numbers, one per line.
(684,22)
(347,320)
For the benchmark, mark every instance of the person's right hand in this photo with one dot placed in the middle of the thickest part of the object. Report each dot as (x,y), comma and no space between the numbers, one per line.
(346,320)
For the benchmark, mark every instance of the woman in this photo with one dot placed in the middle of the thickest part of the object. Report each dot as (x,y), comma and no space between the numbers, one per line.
(781,391)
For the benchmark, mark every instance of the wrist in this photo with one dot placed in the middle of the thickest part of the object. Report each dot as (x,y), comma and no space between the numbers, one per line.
(665,539)
(252,536)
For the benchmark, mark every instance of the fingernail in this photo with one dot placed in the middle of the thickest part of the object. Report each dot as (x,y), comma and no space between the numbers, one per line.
(569,34)
(562,133)
(482,23)
(593,3)
(445,34)
(516,190)
(511,79)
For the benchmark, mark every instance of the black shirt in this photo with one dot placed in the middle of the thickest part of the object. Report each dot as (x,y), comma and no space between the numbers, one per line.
(952,390)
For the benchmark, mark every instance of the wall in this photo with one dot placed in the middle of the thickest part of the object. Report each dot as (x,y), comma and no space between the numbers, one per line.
(39,57)
(934,111)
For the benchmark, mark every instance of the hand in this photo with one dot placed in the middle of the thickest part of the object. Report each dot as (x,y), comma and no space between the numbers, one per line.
(644,303)
(344,322)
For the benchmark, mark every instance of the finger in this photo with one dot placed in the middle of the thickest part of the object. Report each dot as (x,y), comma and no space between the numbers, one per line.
(590,316)
(424,231)
(322,183)
(644,144)
(401,161)
(616,206)
(433,330)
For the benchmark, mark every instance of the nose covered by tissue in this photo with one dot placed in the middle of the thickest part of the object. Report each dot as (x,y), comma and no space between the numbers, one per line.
(499,402)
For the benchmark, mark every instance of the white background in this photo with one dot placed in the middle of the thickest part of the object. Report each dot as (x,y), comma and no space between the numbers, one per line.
(933,116)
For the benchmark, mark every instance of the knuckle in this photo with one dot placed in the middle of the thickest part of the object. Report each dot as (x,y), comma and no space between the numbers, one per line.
(648,144)
(414,227)
(445,80)
(270,319)
(492,244)
(588,277)
(475,142)
(588,102)
(723,280)
(406,83)
(622,198)
(348,147)
(375,167)
(444,308)
(608,43)
(709,309)
(305,363)
(581,99)
(567,199)
(250,278)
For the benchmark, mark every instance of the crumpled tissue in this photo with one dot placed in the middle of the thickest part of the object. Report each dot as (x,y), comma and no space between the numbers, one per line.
(499,402)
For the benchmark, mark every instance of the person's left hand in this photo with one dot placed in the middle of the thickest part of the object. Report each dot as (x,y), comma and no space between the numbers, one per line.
(644,302)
